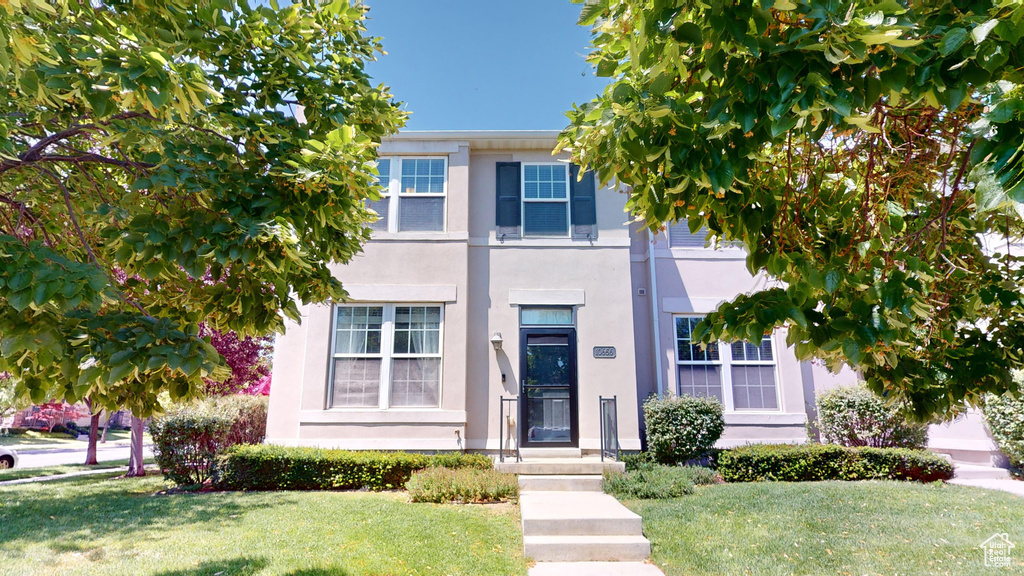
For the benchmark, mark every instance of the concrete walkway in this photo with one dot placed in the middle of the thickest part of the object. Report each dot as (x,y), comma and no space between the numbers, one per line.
(1003,484)
(571,527)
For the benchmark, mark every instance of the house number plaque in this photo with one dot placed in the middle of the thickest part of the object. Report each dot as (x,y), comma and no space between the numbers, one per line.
(604,351)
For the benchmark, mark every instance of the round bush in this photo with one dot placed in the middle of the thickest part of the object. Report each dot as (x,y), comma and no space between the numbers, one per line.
(681,428)
(855,416)
(1005,418)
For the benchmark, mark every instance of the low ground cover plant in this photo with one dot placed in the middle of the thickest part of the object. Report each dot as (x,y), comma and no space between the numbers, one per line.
(809,462)
(466,485)
(856,416)
(188,440)
(267,467)
(682,428)
(650,481)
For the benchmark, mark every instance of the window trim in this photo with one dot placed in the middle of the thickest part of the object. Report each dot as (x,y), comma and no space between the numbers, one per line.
(726,362)
(523,200)
(387,355)
(394,194)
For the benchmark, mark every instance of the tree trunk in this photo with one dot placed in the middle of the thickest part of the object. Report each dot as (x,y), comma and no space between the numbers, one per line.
(135,465)
(106,426)
(94,429)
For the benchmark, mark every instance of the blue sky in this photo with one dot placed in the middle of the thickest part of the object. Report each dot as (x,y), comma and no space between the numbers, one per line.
(483,64)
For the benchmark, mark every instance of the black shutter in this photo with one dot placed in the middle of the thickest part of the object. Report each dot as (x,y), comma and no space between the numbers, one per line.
(507,209)
(582,197)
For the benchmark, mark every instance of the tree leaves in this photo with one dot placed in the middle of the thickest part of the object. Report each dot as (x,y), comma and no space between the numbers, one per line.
(150,181)
(868,157)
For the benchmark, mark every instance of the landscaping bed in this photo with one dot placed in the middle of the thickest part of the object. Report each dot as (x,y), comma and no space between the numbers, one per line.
(121,526)
(872,527)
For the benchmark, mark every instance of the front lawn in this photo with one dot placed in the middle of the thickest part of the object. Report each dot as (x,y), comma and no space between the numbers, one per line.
(830,528)
(122,526)
(22,473)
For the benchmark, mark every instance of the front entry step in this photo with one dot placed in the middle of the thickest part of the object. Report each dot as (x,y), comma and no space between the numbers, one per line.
(587,548)
(560,483)
(559,467)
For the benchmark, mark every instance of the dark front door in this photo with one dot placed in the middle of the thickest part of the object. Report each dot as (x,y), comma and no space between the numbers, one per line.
(548,406)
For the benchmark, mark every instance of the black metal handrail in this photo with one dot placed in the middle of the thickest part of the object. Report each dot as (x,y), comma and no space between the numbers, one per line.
(609,414)
(508,420)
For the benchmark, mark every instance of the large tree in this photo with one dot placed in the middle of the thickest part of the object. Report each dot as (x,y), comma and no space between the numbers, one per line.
(153,176)
(868,155)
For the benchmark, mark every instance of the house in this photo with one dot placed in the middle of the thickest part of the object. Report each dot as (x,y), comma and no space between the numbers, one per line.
(497,271)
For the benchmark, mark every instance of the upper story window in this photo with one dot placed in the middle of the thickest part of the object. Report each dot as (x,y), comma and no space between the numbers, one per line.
(413,195)
(679,236)
(545,200)
(740,375)
(386,356)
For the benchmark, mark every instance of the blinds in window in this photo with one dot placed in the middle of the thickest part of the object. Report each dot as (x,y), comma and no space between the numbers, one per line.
(679,236)
(421,214)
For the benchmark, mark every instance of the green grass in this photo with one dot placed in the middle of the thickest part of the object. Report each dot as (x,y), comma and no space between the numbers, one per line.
(122,526)
(20,473)
(36,438)
(830,528)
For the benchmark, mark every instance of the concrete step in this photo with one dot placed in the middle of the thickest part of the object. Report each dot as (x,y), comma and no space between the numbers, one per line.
(963,471)
(576,514)
(560,483)
(550,453)
(559,466)
(594,569)
(587,548)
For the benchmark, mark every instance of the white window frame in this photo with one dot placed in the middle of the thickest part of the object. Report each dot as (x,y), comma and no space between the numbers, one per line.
(726,362)
(394,193)
(387,354)
(523,199)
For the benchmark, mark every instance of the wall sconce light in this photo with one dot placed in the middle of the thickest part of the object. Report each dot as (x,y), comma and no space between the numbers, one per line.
(496,341)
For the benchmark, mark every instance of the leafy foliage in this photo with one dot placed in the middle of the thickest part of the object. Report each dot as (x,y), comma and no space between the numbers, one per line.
(247,358)
(681,428)
(187,441)
(813,462)
(1005,418)
(467,485)
(153,176)
(268,467)
(867,155)
(854,416)
(657,481)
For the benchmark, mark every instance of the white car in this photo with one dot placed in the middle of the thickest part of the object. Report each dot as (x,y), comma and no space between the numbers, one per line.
(8,458)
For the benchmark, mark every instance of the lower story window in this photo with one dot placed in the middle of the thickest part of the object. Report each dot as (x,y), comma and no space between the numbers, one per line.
(386,355)
(741,375)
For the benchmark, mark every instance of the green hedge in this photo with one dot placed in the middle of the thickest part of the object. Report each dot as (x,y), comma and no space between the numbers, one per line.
(655,481)
(682,428)
(1005,418)
(810,462)
(268,467)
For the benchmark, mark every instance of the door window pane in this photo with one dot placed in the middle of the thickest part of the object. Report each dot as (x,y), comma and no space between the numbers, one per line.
(545,316)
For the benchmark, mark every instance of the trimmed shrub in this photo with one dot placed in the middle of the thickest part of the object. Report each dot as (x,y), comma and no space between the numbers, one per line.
(186,443)
(681,428)
(188,440)
(468,485)
(1005,418)
(654,481)
(267,467)
(812,462)
(855,416)
(636,460)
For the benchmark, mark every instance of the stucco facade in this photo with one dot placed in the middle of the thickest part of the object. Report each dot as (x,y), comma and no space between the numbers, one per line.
(485,237)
